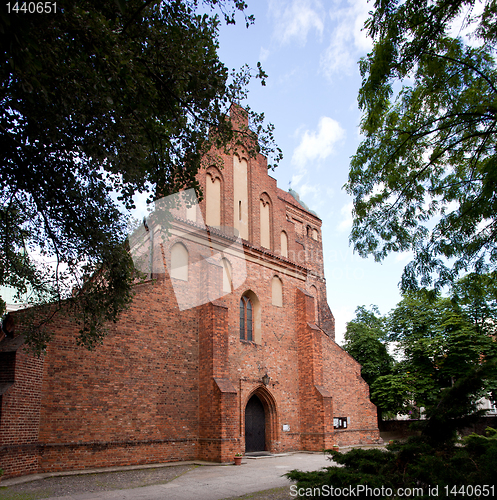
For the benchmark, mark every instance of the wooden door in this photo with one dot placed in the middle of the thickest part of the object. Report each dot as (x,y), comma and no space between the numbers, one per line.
(255,425)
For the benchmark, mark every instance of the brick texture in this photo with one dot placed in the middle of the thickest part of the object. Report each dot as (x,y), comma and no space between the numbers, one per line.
(170,384)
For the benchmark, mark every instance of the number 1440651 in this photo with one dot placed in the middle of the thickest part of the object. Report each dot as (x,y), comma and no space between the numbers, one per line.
(32,7)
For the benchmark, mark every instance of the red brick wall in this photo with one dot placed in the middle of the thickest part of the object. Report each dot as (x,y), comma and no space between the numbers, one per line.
(20,412)
(134,399)
(276,355)
(342,375)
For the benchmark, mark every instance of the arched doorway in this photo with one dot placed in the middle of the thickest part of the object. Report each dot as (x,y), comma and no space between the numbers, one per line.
(255,425)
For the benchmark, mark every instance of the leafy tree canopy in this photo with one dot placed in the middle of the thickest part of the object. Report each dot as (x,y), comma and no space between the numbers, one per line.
(424,177)
(446,351)
(364,338)
(102,100)
(448,362)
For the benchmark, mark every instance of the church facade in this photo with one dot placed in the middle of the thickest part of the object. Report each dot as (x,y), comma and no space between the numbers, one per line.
(228,347)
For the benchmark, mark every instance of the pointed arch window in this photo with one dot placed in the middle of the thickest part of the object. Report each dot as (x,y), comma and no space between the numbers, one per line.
(246,319)
(213,190)
(284,244)
(277,292)
(179,262)
(265,220)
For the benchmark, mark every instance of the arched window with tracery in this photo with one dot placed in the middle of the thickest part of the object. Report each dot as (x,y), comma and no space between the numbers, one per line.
(246,319)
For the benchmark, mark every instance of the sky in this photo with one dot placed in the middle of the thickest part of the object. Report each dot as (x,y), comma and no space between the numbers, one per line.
(310,50)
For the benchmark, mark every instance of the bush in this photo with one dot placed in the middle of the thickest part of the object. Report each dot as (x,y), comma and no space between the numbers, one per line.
(415,464)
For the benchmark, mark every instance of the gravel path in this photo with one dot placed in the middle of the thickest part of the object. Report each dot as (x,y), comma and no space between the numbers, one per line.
(107,481)
(88,483)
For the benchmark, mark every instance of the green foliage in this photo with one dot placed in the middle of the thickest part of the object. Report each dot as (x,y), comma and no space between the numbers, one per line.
(476,296)
(392,393)
(424,177)
(446,353)
(414,464)
(449,362)
(101,101)
(363,341)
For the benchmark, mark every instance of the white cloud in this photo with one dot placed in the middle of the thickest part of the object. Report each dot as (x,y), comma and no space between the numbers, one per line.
(346,212)
(348,39)
(296,178)
(306,189)
(296,19)
(318,145)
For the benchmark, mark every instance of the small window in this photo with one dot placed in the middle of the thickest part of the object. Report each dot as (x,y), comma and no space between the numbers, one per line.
(246,319)
(284,244)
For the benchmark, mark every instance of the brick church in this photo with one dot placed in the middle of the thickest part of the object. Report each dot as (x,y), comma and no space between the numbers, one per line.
(228,347)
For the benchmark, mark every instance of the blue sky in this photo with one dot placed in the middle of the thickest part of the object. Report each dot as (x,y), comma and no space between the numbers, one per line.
(310,50)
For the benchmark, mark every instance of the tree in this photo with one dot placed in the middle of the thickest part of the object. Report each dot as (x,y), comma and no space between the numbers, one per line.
(446,351)
(101,101)
(424,177)
(441,348)
(364,341)
(476,295)
(448,354)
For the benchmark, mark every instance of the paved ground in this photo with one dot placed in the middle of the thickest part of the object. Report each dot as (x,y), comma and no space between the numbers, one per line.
(182,481)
